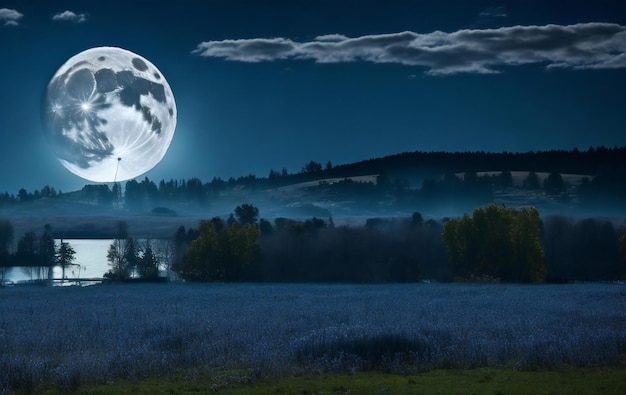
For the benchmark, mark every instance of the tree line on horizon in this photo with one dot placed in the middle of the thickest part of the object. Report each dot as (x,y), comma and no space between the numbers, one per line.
(606,168)
(494,243)
(465,191)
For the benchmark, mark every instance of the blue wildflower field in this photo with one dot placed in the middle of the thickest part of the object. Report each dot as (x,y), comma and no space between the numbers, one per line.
(69,336)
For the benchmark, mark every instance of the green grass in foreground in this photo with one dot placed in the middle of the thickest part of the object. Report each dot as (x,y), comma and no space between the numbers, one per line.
(599,380)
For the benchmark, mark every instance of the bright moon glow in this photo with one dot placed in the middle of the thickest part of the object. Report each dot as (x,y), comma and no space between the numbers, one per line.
(109,114)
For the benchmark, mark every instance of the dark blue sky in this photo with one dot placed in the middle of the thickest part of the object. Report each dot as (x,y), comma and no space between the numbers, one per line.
(273,84)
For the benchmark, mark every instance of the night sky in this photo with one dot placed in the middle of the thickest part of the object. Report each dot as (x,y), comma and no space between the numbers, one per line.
(263,85)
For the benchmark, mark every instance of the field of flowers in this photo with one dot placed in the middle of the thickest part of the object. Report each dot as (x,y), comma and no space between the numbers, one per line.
(68,336)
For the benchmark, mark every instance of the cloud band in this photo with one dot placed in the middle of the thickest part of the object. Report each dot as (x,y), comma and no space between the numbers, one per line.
(69,16)
(10,17)
(581,46)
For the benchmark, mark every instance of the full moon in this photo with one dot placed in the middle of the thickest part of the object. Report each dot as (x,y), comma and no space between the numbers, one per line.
(109,114)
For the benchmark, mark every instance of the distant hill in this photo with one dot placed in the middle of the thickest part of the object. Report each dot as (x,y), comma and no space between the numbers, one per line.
(437,184)
(575,162)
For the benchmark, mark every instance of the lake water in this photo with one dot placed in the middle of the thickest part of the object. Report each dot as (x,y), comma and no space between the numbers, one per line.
(91,262)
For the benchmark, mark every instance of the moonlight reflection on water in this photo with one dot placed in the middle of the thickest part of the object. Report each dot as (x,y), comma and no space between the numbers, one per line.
(91,262)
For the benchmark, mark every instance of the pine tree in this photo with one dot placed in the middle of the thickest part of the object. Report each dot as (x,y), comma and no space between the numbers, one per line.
(65,256)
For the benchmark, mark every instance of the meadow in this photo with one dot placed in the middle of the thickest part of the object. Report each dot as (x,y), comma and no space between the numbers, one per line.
(67,337)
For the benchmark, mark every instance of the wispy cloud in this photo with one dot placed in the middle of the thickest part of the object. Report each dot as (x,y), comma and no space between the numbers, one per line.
(331,37)
(10,17)
(581,46)
(69,16)
(494,12)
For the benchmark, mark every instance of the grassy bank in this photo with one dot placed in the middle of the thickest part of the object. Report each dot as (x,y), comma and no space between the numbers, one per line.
(598,380)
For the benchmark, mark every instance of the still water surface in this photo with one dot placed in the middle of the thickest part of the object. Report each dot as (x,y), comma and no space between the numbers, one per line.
(91,262)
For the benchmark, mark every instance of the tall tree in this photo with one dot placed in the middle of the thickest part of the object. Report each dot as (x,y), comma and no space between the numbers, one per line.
(6,239)
(311,167)
(148,263)
(122,254)
(116,191)
(131,251)
(27,248)
(531,181)
(27,253)
(247,214)
(164,252)
(180,245)
(497,241)
(528,264)
(133,195)
(6,244)
(150,191)
(47,249)
(554,183)
(24,196)
(117,260)
(65,256)
(220,255)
